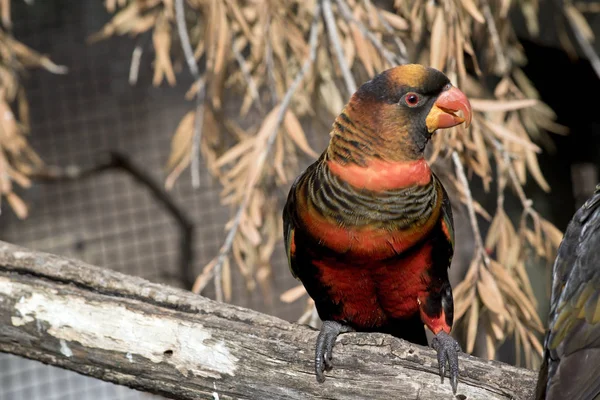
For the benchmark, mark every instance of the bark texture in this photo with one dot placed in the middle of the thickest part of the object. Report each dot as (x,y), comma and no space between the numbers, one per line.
(163,340)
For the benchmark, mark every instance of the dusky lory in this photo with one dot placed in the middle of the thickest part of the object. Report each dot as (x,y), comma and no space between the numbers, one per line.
(368,227)
(571,364)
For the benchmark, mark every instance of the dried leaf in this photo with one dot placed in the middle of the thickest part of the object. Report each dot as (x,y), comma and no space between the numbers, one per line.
(472,326)
(17,204)
(489,292)
(439,43)
(362,49)
(534,169)
(472,9)
(181,141)
(293,294)
(296,133)
(578,19)
(552,232)
(395,20)
(501,105)
(505,134)
(235,152)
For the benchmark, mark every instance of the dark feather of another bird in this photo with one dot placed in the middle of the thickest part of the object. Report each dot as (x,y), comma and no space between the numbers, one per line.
(570,368)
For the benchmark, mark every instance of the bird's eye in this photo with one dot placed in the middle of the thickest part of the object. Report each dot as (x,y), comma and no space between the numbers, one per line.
(412,99)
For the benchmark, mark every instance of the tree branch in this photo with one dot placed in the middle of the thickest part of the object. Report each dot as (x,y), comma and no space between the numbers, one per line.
(200,95)
(337,46)
(462,177)
(164,340)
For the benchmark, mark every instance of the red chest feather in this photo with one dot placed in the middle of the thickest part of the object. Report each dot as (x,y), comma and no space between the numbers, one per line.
(370,293)
(366,243)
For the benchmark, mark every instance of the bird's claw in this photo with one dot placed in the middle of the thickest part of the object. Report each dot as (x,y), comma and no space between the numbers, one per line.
(324,349)
(447,349)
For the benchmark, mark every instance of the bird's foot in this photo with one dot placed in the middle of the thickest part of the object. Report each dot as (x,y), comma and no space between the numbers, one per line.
(324,350)
(447,349)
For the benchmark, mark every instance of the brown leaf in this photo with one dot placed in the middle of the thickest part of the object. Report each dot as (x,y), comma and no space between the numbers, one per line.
(503,133)
(472,9)
(203,279)
(472,326)
(362,49)
(296,133)
(490,346)
(293,294)
(226,279)
(396,21)
(462,304)
(438,42)
(182,140)
(235,152)
(552,232)
(17,204)
(578,19)
(222,39)
(5,13)
(536,172)
(489,292)
(485,105)
(161,38)
(278,158)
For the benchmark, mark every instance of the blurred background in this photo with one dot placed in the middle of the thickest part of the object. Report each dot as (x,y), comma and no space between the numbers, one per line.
(108,144)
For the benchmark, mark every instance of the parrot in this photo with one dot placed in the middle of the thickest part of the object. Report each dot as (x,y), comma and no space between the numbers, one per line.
(368,227)
(571,356)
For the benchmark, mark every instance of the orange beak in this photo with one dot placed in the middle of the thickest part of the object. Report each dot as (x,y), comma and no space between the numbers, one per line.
(443,113)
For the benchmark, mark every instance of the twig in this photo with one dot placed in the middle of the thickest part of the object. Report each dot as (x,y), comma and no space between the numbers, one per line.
(247,76)
(136,58)
(200,95)
(186,46)
(388,55)
(525,202)
(460,172)
(403,52)
(585,45)
(339,51)
(491,24)
(270,65)
(134,68)
(285,103)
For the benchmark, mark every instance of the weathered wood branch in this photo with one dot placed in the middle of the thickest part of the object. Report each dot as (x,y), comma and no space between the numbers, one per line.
(168,341)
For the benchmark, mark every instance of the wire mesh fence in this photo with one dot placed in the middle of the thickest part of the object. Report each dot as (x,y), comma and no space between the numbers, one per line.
(108,219)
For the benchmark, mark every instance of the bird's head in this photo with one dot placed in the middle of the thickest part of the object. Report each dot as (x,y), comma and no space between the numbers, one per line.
(393,115)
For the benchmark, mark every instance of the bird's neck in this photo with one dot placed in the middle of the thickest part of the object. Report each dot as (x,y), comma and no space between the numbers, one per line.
(375,160)
(358,136)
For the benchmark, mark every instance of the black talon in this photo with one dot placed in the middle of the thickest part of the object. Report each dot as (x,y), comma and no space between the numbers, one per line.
(447,349)
(324,349)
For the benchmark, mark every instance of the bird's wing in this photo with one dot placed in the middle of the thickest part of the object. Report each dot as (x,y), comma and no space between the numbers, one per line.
(290,217)
(289,226)
(573,338)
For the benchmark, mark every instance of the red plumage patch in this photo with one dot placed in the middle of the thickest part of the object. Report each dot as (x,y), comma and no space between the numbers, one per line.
(382,175)
(292,243)
(435,323)
(372,292)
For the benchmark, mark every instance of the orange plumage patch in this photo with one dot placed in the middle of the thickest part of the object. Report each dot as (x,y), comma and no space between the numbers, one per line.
(411,75)
(365,242)
(381,175)
(436,323)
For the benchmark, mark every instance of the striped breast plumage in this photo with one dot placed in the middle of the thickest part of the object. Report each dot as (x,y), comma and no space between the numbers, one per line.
(368,258)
